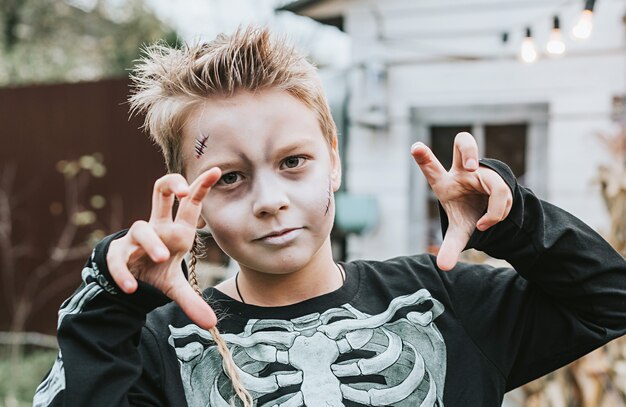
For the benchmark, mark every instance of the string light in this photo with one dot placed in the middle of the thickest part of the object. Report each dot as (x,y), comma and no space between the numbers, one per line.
(528,52)
(582,29)
(555,45)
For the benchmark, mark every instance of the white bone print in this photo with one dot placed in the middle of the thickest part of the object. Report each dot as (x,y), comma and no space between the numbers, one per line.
(315,359)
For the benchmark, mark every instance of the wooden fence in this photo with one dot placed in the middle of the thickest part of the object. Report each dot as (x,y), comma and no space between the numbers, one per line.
(47,209)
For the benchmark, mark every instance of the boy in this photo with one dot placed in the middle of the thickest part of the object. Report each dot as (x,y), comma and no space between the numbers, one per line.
(243,120)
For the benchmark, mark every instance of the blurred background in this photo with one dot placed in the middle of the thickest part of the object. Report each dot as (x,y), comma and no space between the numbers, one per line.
(541,84)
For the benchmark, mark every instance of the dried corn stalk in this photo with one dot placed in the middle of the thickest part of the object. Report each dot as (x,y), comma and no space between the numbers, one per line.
(598,379)
(613,183)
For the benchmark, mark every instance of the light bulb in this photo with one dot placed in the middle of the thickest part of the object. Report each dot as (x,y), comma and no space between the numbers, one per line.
(528,52)
(555,45)
(582,29)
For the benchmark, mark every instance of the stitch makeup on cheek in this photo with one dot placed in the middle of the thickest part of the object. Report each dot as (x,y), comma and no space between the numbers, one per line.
(200,145)
(329,199)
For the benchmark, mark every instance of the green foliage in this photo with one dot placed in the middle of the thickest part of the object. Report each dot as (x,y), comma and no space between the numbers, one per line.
(20,381)
(43,41)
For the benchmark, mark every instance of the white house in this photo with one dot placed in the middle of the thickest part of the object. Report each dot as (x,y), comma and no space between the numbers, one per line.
(424,70)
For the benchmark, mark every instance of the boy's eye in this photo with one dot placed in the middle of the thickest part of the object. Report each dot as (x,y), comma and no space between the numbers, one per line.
(229,178)
(293,162)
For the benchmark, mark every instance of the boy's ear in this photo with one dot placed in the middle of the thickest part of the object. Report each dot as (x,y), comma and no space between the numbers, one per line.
(335,170)
(201,223)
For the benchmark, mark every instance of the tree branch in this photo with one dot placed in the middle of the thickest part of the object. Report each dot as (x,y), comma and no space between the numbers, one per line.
(6,231)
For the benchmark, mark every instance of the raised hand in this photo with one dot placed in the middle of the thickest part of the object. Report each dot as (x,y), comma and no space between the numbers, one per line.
(153,251)
(472,196)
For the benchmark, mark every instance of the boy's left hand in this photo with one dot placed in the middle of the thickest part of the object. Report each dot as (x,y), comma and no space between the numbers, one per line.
(472,196)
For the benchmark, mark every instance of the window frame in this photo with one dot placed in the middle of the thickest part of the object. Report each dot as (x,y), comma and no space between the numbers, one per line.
(535,115)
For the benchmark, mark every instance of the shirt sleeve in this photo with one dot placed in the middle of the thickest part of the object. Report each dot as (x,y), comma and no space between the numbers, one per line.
(565,297)
(100,360)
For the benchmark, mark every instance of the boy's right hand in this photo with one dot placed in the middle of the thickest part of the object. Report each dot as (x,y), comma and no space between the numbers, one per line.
(153,251)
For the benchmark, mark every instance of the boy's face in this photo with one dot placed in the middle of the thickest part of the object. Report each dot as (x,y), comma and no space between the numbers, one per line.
(273,209)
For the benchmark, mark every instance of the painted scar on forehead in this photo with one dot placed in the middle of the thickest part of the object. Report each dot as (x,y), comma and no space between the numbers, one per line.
(200,145)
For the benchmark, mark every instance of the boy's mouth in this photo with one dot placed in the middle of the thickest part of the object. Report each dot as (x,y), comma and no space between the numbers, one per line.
(281,236)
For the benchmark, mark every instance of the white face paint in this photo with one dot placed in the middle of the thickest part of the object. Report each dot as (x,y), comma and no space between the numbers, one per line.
(273,208)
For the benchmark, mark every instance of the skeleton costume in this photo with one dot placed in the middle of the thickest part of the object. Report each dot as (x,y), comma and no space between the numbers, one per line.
(399,332)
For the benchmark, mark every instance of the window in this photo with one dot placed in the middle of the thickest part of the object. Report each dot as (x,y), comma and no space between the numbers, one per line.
(505,142)
(514,133)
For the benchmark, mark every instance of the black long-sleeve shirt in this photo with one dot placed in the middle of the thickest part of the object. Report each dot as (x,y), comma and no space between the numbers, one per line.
(398,332)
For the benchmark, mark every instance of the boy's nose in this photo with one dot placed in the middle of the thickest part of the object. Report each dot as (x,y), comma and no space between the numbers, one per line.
(270,198)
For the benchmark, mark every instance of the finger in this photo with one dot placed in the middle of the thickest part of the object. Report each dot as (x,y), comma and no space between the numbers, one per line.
(142,234)
(509,206)
(465,153)
(500,200)
(193,305)
(428,163)
(453,244)
(165,189)
(191,206)
(117,263)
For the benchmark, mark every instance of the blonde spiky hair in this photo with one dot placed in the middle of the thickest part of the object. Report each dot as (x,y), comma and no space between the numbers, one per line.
(168,83)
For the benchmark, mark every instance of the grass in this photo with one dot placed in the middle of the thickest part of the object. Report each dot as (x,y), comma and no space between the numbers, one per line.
(18,383)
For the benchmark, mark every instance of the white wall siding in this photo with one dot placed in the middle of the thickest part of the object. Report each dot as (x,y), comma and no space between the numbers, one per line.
(576,89)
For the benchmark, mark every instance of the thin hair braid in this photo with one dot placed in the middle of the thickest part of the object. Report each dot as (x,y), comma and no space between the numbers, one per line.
(229,364)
